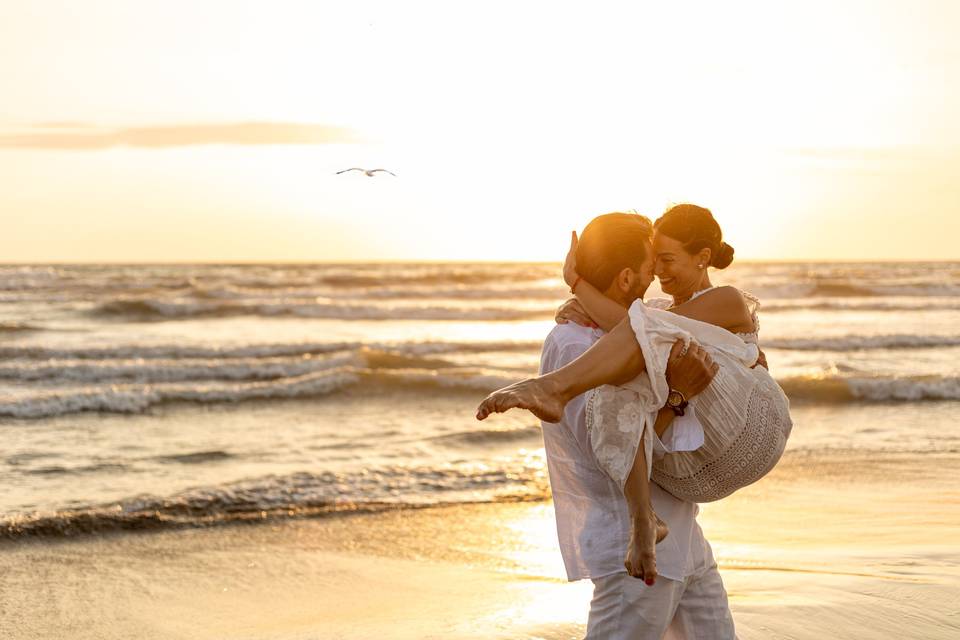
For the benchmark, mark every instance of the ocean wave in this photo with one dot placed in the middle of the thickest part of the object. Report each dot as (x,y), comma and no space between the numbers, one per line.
(138,398)
(798,286)
(861,304)
(258,350)
(860,343)
(131,398)
(553,290)
(18,327)
(289,496)
(480,437)
(152,309)
(835,389)
(176,370)
(196,457)
(920,289)
(55,470)
(432,275)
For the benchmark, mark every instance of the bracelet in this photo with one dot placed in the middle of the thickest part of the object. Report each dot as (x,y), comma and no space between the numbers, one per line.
(573,287)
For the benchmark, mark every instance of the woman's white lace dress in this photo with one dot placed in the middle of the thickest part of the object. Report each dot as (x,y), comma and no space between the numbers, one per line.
(744,413)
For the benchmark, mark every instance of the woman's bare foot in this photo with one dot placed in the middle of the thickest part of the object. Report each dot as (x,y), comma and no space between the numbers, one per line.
(540,396)
(641,559)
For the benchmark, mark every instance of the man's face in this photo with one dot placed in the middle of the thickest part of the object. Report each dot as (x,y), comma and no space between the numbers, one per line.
(645,277)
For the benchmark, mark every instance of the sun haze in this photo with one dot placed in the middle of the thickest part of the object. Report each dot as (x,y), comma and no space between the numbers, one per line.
(177,131)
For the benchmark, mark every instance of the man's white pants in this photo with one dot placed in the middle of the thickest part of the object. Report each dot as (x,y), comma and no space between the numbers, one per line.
(693,609)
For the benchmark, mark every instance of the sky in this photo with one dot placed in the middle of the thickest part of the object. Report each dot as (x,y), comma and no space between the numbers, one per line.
(141,131)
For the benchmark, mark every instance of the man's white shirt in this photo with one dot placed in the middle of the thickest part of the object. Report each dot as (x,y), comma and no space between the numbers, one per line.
(593,521)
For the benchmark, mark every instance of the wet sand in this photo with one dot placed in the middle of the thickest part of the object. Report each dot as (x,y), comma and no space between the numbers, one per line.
(855,548)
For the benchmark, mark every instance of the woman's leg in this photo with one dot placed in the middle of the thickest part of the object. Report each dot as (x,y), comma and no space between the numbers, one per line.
(615,359)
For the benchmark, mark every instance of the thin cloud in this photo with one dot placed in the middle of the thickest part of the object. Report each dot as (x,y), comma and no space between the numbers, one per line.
(63,125)
(82,137)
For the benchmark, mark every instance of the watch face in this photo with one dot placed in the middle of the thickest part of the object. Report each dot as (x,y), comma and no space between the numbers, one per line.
(674,399)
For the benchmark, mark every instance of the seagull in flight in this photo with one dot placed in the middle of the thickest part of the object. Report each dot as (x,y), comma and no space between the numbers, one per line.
(369,172)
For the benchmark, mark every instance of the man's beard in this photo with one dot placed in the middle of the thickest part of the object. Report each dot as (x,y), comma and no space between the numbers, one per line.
(638,292)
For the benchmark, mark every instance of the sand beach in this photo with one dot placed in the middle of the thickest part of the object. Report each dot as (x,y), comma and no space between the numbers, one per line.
(814,552)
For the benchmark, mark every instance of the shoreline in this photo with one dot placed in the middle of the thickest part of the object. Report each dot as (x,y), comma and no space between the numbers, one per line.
(483,570)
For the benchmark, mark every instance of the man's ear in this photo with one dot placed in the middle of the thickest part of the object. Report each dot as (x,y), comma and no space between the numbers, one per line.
(625,279)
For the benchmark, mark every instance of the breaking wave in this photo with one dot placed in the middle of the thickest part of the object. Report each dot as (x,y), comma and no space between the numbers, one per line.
(150,309)
(260,350)
(833,389)
(290,496)
(18,327)
(860,343)
(138,398)
(381,372)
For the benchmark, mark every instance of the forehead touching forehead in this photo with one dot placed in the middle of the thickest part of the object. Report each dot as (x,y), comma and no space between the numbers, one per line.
(648,253)
(665,245)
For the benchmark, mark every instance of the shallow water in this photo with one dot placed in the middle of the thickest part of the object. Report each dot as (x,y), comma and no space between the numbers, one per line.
(153,396)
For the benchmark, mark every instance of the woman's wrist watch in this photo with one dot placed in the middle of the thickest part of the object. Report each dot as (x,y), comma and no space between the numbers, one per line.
(676,402)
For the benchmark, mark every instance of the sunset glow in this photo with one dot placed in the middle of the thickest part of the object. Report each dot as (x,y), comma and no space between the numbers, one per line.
(136,131)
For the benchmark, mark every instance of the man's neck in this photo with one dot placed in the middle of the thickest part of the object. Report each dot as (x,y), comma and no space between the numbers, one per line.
(618,296)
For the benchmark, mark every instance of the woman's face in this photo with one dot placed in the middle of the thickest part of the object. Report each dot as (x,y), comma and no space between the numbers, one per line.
(677,270)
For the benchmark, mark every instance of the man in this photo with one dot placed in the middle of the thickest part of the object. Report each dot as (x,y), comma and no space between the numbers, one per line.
(688,599)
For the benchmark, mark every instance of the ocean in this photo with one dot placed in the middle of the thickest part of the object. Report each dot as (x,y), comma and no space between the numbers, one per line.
(170,396)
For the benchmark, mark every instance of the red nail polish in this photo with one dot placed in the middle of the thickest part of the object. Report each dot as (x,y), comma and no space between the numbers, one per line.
(649,583)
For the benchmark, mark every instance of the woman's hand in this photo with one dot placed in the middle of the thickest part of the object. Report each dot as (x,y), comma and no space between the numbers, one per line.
(761,359)
(570,264)
(573,311)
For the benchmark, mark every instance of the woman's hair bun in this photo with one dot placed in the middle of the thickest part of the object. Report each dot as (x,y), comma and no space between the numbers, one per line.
(722,257)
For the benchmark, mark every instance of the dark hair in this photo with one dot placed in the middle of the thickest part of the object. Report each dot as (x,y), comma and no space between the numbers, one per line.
(695,227)
(611,243)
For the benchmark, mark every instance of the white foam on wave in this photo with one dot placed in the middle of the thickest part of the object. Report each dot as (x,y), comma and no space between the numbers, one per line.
(297,494)
(137,398)
(179,370)
(341,373)
(548,290)
(153,309)
(913,304)
(857,343)
(257,350)
(906,389)
(132,398)
(838,389)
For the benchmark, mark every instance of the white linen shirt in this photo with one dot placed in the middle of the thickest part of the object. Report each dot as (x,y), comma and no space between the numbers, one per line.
(593,520)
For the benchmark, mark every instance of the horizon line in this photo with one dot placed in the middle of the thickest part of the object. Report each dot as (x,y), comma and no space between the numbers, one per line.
(124,263)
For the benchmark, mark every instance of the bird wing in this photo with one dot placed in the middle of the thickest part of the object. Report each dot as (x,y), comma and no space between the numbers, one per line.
(350,169)
(384,170)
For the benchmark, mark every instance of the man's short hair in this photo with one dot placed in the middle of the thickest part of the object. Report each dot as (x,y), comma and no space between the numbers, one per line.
(611,243)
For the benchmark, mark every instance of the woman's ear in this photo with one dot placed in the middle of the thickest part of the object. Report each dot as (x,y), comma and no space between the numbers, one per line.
(703,257)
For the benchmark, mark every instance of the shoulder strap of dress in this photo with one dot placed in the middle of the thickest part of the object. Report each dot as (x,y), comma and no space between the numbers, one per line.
(700,293)
(753,302)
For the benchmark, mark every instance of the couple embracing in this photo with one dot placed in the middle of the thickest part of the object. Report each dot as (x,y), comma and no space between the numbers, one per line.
(649,408)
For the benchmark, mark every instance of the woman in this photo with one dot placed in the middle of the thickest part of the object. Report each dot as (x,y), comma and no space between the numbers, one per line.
(744,413)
